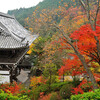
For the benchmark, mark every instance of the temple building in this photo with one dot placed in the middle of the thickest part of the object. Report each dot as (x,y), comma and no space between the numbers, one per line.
(14,43)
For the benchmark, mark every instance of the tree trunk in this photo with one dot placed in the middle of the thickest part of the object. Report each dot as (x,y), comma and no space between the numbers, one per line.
(82,59)
(93,81)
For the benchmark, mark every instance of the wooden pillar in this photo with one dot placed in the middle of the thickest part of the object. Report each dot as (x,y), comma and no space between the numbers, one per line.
(15,74)
(11,74)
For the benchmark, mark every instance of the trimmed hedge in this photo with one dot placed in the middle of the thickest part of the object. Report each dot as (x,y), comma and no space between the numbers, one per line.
(54,87)
(58,86)
(87,96)
(44,88)
(54,96)
(65,91)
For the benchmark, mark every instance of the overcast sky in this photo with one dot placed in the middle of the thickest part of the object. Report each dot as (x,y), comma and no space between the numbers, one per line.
(6,5)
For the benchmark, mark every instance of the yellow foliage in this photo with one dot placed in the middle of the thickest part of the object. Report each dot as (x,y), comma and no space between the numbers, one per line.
(33,45)
(30,49)
(31,29)
(95,64)
(98,70)
(79,12)
(29,52)
(92,69)
(73,0)
(68,78)
(37,80)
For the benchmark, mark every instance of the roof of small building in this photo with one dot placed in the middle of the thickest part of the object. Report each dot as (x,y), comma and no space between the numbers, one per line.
(13,34)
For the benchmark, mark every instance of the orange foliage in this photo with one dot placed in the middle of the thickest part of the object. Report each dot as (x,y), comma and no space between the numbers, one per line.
(45,97)
(87,47)
(84,41)
(13,88)
(72,65)
(72,20)
(80,88)
(37,80)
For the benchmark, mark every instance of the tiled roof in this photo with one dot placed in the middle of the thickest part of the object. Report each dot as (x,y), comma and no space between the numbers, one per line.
(9,42)
(12,34)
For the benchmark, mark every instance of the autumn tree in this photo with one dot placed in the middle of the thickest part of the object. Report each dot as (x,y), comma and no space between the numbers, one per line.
(38,23)
(49,73)
(91,10)
(92,18)
(92,21)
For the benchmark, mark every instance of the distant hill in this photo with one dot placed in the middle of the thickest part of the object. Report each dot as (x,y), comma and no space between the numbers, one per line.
(23,13)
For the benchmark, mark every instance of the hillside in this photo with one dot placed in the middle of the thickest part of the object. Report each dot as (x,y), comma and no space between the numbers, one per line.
(23,13)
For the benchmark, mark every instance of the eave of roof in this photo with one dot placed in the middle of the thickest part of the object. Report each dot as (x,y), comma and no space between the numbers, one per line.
(15,35)
(6,15)
(8,42)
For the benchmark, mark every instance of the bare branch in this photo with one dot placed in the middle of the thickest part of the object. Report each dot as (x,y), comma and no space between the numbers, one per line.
(89,15)
(97,25)
(96,13)
(83,4)
(88,11)
(56,26)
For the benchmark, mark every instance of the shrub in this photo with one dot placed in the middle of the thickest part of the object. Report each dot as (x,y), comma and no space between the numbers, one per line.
(54,96)
(23,97)
(87,96)
(54,87)
(36,82)
(45,97)
(65,91)
(57,86)
(14,88)
(43,88)
(36,94)
(54,79)
(10,96)
(76,81)
(84,86)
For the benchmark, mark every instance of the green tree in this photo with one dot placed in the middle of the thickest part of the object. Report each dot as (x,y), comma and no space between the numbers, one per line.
(49,72)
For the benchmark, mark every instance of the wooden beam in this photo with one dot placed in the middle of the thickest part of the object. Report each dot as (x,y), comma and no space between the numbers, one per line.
(22,56)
